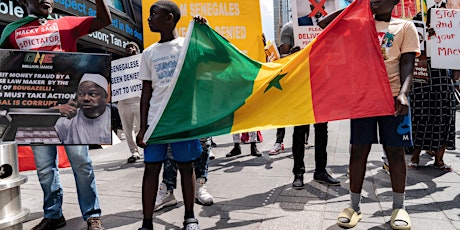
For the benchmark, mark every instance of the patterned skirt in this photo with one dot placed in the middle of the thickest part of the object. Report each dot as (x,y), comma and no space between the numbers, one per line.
(433,112)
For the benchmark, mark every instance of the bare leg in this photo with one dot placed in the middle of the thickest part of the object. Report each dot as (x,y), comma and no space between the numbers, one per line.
(414,160)
(438,157)
(188,187)
(149,190)
(358,160)
(397,168)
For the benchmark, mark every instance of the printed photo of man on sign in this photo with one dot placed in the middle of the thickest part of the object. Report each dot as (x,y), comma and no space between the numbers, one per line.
(305,18)
(54,98)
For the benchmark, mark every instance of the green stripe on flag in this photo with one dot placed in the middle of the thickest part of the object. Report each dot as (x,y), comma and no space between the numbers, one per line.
(215,80)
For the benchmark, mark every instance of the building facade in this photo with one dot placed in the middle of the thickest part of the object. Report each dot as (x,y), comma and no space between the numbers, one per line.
(281,15)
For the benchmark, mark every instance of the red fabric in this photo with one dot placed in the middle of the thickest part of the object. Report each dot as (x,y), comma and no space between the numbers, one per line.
(56,35)
(351,41)
(245,137)
(406,9)
(260,138)
(27,162)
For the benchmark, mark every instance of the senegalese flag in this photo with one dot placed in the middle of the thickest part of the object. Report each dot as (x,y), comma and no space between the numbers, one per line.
(219,90)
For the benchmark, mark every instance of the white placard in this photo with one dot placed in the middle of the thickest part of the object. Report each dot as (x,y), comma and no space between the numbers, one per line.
(305,16)
(445,45)
(125,72)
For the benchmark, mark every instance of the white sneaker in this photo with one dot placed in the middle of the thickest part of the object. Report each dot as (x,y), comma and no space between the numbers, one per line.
(201,194)
(277,148)
(165,198)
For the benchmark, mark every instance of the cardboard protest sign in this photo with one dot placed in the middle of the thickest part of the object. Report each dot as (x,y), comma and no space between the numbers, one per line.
(55,97)
(445,44)
(271,51)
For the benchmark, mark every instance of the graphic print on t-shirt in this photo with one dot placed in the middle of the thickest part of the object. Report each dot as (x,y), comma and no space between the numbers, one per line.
(386,40)
(165,66)
(44,37)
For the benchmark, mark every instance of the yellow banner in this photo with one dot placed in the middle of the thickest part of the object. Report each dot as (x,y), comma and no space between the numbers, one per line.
(239,21)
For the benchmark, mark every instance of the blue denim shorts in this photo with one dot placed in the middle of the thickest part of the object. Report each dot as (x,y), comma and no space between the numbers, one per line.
(183,151)
(393,131)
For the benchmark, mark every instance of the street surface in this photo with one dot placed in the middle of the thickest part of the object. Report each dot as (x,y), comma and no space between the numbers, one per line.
(256,193)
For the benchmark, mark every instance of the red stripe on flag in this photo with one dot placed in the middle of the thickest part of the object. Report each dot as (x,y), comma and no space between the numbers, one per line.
(348,76)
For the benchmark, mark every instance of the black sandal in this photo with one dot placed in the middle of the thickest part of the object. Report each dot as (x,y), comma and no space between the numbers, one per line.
(191,224)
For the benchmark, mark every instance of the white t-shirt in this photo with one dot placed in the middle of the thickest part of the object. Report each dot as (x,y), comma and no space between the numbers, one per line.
(158,65)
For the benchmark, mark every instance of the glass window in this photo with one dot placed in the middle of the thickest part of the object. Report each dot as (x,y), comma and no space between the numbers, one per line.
(117,4)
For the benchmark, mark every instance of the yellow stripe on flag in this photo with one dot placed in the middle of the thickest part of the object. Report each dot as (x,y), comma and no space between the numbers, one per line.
(271,105)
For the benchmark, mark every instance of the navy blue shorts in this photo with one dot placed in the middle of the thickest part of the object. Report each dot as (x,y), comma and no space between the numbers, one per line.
(183,151)
(393,131)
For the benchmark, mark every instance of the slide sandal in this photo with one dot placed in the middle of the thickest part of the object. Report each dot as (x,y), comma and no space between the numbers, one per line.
(400,215)
(352,217)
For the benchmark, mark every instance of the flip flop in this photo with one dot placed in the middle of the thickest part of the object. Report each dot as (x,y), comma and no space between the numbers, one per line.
(400,215)
(350,215)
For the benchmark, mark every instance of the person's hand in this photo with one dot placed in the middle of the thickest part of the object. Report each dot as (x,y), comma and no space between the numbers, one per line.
(430,32)
(200,19)
(401,105)
(68,110)
(294,49)
(140,138)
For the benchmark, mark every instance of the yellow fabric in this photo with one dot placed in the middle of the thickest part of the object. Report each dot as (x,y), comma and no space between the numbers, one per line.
(273,105)
(406,40)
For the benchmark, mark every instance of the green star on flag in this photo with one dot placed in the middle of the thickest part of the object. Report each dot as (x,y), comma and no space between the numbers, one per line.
(275,82)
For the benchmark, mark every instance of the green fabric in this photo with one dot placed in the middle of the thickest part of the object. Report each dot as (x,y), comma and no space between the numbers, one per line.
(210,87)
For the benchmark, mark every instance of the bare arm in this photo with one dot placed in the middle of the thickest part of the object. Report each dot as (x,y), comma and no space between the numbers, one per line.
(329,18)
(103,17)
(406,68)
(144,111)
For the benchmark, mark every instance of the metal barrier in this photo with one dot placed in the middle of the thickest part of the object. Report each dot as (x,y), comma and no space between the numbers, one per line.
(11,212)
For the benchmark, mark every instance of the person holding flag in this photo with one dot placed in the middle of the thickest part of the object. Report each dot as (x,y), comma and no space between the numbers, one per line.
(399,45)
(157,69)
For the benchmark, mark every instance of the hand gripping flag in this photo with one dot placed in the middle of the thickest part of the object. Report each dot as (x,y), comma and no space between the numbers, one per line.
(218,90)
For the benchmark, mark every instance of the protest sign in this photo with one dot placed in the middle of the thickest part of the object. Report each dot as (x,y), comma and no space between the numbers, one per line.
(445,44)
(40,89)
(271,51)
(125,72)
(305,17)
(238,21)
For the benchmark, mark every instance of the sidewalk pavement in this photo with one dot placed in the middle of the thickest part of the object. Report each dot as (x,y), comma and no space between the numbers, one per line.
(256,193)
